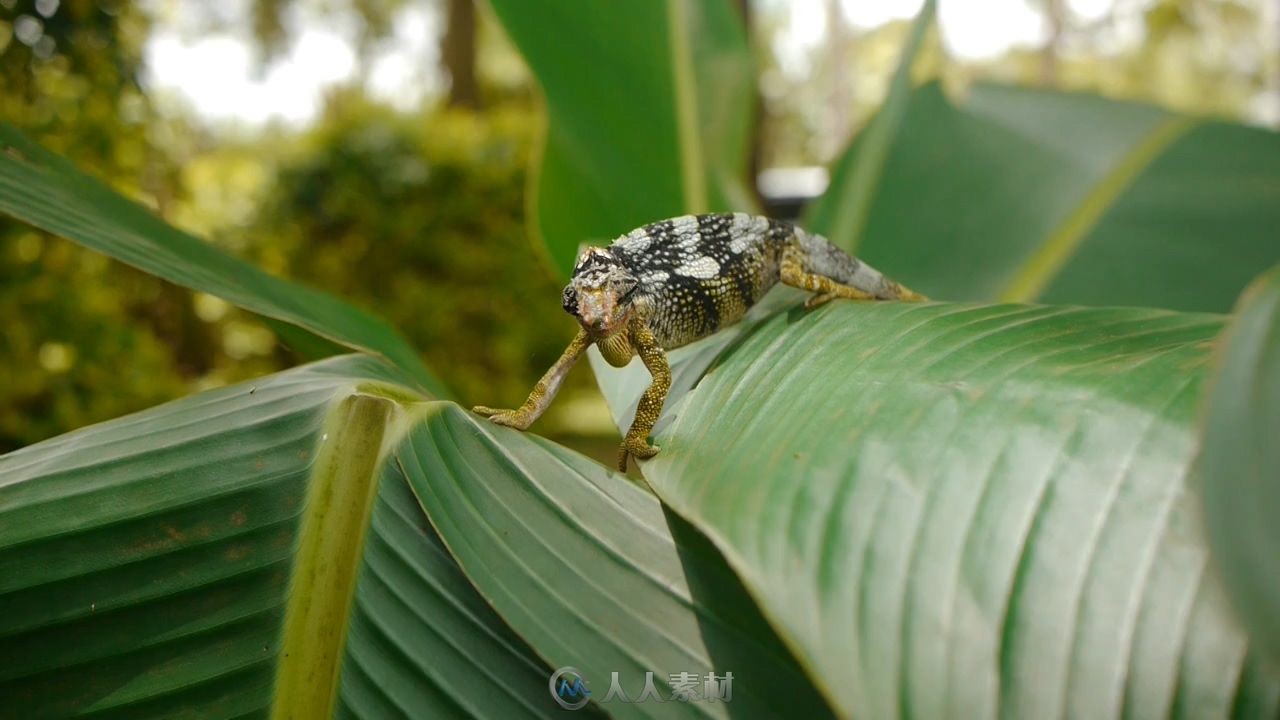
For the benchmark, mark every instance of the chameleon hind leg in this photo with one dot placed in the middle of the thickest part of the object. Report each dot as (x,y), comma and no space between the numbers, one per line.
(825,289)
(792,273)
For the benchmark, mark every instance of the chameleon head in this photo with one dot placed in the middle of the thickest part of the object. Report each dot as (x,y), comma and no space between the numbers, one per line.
(599,294)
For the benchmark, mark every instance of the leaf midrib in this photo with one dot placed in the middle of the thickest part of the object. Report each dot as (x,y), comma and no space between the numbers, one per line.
(1059,246)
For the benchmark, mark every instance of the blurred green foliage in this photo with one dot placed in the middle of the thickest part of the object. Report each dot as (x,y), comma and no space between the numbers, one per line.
(81,342)
(421,220)
(85,339)
(418,217)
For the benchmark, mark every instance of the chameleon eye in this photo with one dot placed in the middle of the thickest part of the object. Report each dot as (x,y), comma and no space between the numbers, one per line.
(569,300)
(624,285)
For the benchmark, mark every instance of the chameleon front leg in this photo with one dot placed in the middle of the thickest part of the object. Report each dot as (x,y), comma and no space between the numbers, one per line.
(544,392)
(655,361)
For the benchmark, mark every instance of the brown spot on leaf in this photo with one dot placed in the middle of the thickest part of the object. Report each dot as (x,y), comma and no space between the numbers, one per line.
(148,545)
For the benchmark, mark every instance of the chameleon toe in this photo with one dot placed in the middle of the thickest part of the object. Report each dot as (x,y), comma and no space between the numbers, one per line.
(637,448)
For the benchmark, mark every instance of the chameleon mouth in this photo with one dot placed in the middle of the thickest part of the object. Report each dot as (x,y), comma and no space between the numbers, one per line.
(597,311)
(601,327)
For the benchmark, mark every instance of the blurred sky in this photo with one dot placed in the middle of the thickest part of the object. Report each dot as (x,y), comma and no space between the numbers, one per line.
(217,74)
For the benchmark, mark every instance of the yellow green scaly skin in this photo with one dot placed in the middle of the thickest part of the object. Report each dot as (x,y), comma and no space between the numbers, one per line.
(675,281)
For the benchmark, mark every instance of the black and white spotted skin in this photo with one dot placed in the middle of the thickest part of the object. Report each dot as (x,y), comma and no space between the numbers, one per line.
(695,274)
(701,273)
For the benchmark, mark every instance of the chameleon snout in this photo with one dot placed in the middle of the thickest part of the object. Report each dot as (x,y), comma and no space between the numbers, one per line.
(598,312)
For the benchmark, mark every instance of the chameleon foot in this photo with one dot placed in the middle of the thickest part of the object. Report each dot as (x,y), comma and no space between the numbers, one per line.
(635,446)
(511,418)
(819,299)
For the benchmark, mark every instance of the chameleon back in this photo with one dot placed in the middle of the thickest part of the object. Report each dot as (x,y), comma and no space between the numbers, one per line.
(700,273)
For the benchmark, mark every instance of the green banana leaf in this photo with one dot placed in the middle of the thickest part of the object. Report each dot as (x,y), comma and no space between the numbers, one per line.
(1238,468)
(1028,195)
(592,572)
(421,641)
(47,191)
(145,563)
(648,103)
(963,510)
(968,511)
(260,548)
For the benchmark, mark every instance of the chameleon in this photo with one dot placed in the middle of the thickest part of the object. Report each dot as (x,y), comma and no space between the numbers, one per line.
(675,281)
